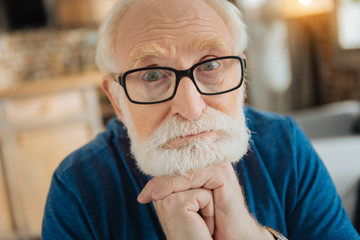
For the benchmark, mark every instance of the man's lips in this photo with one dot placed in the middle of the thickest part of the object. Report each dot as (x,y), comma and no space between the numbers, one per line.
(180,142)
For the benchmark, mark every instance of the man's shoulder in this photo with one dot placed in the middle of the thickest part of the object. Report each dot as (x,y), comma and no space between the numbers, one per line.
(275,136)
(268,123)
(100,151)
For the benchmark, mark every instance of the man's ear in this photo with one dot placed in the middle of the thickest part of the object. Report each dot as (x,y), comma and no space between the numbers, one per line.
(106,84)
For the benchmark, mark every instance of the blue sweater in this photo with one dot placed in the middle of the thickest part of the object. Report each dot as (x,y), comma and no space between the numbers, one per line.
(93,191)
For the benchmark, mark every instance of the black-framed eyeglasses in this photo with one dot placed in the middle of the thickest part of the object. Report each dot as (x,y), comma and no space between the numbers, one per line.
(159,84)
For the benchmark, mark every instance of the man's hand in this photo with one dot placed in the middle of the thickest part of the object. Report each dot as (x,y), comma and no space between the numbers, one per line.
(187,215)
(232,219)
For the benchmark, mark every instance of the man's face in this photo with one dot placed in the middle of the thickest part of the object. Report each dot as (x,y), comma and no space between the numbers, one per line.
(178,34)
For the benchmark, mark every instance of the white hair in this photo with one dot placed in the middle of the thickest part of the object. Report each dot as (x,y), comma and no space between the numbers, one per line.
(105,52)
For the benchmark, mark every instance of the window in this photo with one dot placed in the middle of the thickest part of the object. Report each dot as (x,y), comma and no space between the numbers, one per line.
(348,16)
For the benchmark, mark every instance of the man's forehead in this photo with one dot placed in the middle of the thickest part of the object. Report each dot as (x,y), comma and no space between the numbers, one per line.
(166,33)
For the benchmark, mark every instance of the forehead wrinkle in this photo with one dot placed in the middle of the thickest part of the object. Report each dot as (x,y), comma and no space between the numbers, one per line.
(172,23)
(169,38)
(177,27)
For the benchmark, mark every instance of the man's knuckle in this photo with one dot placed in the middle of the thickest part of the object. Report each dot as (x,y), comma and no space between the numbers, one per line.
(169,183)
(226,169)
(171,201)
(188,178)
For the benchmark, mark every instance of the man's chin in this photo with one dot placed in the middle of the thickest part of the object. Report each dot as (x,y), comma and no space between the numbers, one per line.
(191,156)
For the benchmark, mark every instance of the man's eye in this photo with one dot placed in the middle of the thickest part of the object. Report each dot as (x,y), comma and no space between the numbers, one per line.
(209,66)
(153,76)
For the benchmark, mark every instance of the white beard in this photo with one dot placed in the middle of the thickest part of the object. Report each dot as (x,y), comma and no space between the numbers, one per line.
(155,158)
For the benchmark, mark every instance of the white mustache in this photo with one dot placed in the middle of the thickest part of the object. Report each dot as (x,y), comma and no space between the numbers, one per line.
(177,127)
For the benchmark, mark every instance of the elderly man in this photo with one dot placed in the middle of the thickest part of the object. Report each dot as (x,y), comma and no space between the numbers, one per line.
(187,160)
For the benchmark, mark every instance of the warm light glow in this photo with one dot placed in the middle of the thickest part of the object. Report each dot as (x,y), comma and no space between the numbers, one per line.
(305,2)
(303,8)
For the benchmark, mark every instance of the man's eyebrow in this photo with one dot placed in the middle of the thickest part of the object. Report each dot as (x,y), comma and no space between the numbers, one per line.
(214,43)
(150,50)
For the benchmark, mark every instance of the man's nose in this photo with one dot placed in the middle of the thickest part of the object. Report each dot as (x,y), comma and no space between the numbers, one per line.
(188,101)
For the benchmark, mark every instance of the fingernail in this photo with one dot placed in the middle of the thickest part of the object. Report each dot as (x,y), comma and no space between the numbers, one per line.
(140,198)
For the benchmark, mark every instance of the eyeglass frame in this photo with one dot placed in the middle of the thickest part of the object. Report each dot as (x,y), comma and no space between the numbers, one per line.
(180,74)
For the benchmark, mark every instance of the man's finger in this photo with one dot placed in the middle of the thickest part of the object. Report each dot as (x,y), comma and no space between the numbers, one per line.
(207,211)
(209,178)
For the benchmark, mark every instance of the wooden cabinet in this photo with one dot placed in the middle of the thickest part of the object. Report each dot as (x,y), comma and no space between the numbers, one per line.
(36,132)
(6,226)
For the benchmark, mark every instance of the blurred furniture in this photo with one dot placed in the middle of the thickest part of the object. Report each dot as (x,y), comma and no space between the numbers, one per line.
(334,130)
(40,123)
(79,13)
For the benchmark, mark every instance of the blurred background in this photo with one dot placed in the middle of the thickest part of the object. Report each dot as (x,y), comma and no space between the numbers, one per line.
(303,61)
